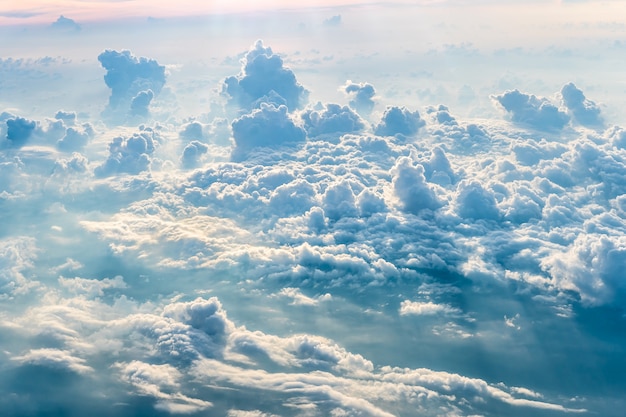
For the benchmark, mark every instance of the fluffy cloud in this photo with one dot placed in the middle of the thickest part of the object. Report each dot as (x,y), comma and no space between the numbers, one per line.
(361,96)
(266,126)
(399,120)
(411,188)
(192,131)
(139,105)
(19,130)
(585,112)
(473,201)
(192,153)
(129,154)
(592,267)
(130,78)
(264,79)
(331,119)
(76,138)
(532,110)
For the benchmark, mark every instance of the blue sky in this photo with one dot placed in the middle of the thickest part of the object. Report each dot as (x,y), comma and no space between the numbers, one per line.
(329,210)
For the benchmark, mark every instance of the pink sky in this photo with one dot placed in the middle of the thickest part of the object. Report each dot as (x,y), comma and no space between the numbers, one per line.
(43,11)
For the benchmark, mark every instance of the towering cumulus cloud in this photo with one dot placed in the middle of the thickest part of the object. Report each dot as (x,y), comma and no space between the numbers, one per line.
(264,78)
(133,81)
(584,111)
(361,96)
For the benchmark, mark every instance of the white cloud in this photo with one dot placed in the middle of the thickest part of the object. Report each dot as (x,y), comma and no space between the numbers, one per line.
(427,308)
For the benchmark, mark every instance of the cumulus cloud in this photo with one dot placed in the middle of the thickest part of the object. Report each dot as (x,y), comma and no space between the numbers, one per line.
(129,154)
(76,138)
(266,126)
(68,117)
(411,188)
(65,24)
(140,104)
(331,119)
(532,110)
(361,96)
(192,131)
(193,153)
(130,79)
(473,201)
(399,120)
(19,130)
(584,111)
(265,79)
(592,267)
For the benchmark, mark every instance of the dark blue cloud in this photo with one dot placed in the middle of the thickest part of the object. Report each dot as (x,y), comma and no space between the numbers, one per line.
(399,120)
(267,126)
(19,130)
(331,119)
(531,110)
(128,75)
(584,111)
(362,95)
(264,78)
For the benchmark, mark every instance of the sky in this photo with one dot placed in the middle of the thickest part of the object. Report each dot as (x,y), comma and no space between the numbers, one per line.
(255,209)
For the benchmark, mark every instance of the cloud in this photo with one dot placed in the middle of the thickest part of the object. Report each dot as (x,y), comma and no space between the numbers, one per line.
(361,96)
(19,130)
(193,153)
(300,299)
(585,112)
(532,111)
(76,138)
(140,104)
(130,78)
(473,201)
(54,358)
(192,131)
(399,120)
(129,154)
(156,381)
(263,127)
(333,20)
(264,79)
(591,266)
(331,119)
(411,188)
(16,257)
(65,24)
(427,308)
(92,287)
(68,117)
